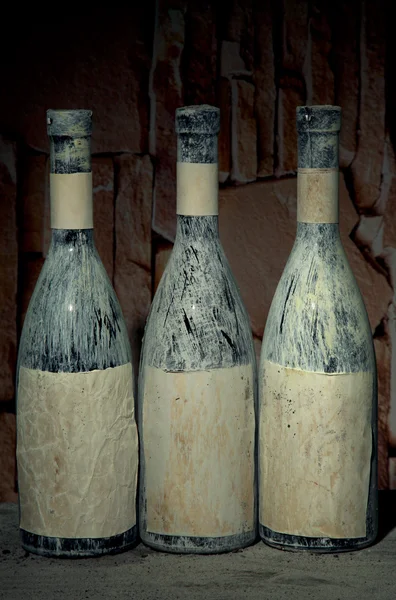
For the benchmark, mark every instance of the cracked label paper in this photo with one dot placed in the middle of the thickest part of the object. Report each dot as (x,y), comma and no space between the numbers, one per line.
(77,452)
(315,452)
(198,440)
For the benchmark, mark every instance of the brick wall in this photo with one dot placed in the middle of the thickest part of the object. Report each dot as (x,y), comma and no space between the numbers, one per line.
(256,61)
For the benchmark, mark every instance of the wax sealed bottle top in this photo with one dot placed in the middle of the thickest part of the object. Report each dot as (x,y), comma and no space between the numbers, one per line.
(70,123)
(200,118)
(318,128)
(197,127)
(318,118)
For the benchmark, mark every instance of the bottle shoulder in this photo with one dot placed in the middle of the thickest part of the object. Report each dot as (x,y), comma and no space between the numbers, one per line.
(317,320)
(197,319)
(74,321)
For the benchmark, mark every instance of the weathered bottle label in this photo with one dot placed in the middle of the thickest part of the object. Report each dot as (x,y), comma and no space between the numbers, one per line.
(315,451)
(77,452)
(317,195)
(197,189)
(71,201)
(198,444)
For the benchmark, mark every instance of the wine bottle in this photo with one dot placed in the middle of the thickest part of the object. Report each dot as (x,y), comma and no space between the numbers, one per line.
(317,378)
(77,450)
(197,382)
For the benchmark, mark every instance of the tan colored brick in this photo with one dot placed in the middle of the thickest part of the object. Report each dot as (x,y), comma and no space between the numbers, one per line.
(346,70)
(200,53)
(132,276)
(290,96)
(238,24)
(133,288)
(8,268)
(383,356)
(133,209)
(321,47)
(33,177)
(224,103)
(162,255)
(7,458)
(265,90)
(243,133)
(30,270)
(103,207)
(166,95)
(368,162)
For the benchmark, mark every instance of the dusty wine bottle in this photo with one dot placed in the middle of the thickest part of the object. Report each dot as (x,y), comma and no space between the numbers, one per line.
(317,379)
(77,454)
(197,382)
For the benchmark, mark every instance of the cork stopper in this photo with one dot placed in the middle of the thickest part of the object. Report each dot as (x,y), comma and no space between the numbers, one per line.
(318,128)
(197,128)
(69,123)
(70,136)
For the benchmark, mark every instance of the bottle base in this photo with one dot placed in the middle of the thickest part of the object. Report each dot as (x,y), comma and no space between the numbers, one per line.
(197,545)
(78,547)
(319,545)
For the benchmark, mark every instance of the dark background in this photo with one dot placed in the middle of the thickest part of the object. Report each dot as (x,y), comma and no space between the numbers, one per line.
(255,60)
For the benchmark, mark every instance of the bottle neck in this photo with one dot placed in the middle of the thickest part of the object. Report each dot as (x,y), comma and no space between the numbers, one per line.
(190,229)
(71,183)
(317,177)
(72,240)
(197,179)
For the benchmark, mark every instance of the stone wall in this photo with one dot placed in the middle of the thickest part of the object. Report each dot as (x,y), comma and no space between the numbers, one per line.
(255,60)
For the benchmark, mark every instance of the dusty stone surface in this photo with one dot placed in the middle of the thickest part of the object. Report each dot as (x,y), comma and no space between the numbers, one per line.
(322,77)
(103,209)
(368,163)
(8,268)
(200,53)
(258,242)
(31,266)
(132,285)
(231,62)
(243,133)
(102,65)
(291,94)
(369,235)
(7,458)
(166,94)
(256,573)
(33,177)
(132,276)
(134,182)
(163,251)
(224,103)
(295,35)
(238,26)
(383,356)
(293,83)
(346,68)
(265,90)
(389,233)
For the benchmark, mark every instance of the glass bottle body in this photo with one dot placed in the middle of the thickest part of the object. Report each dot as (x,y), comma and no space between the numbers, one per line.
(318,409)
(76,433)
(197,403)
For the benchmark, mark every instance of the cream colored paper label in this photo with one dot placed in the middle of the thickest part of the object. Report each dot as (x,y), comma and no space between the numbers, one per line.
(197,189)
(317,195)
(71,201)
(315,452)
(198,440)
(77,452)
